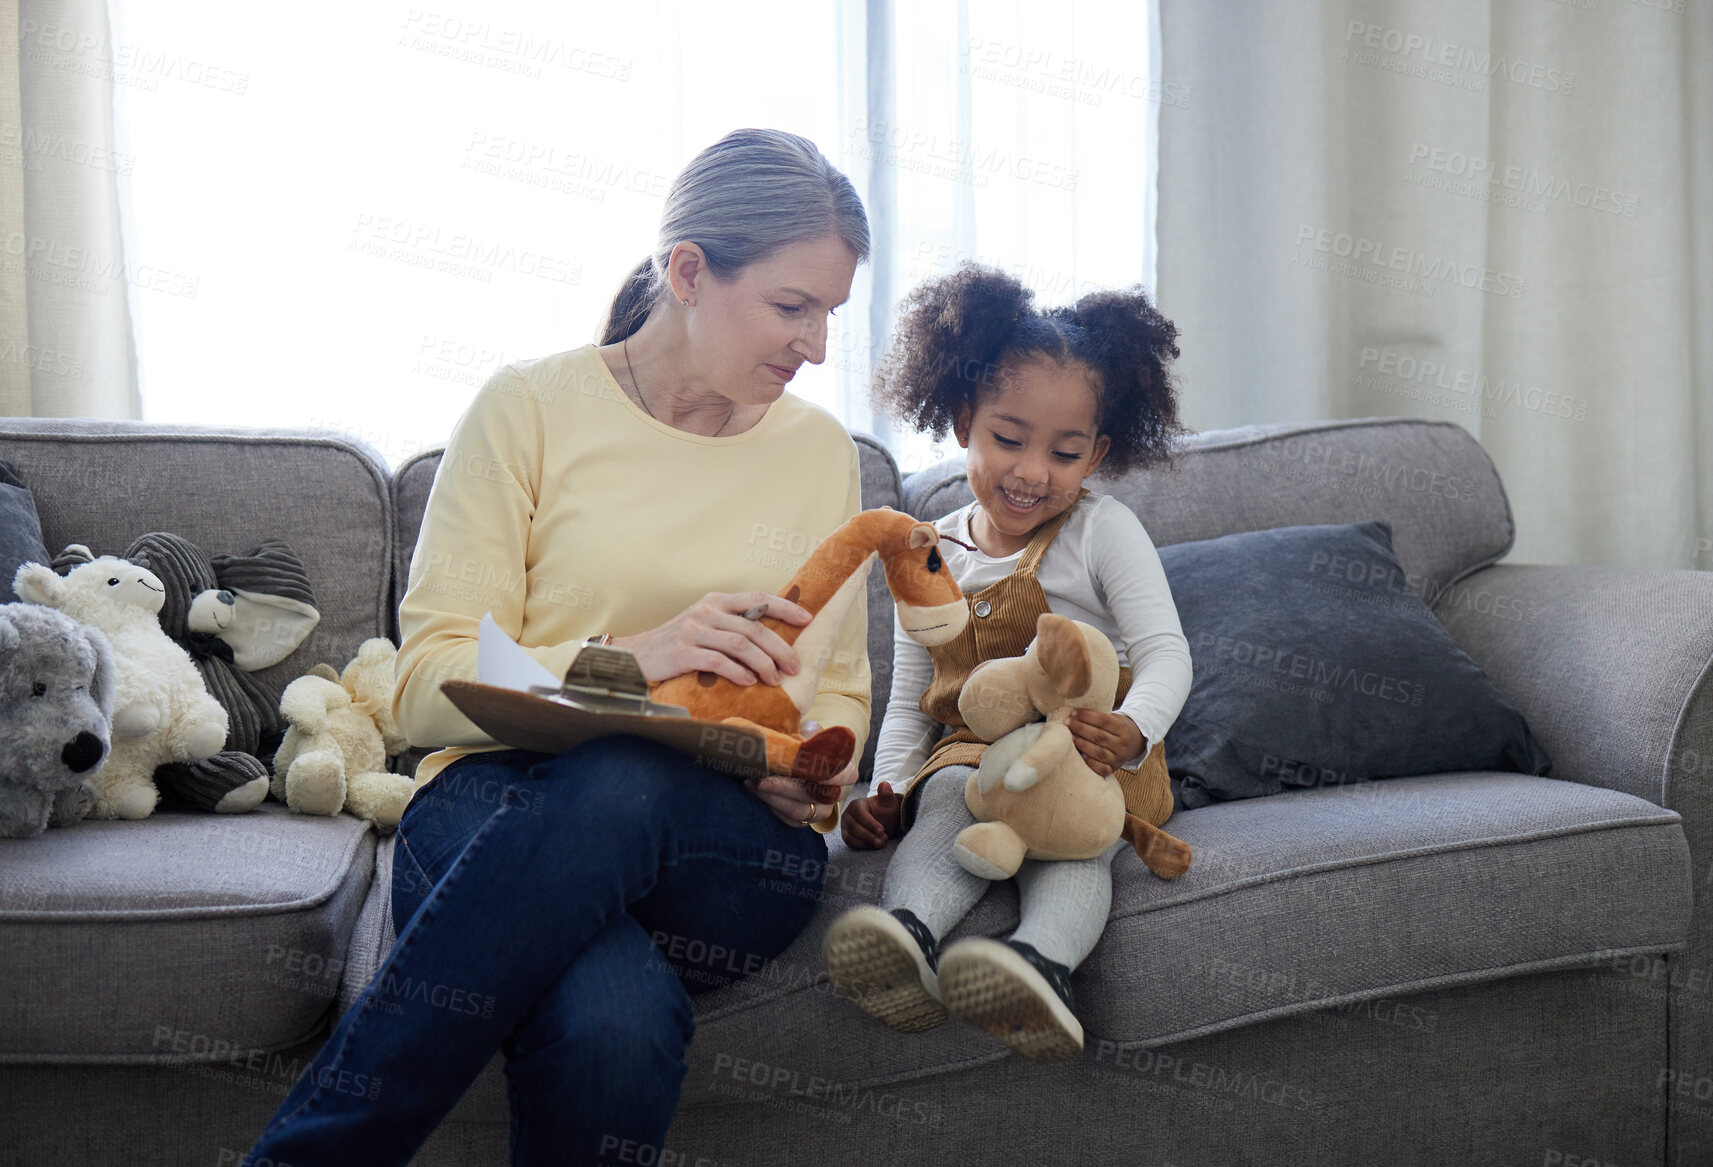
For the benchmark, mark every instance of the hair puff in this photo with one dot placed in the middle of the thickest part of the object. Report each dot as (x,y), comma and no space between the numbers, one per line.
(959,335)
(952,333)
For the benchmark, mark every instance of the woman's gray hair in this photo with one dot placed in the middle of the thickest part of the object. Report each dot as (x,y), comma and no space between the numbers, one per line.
(749,195)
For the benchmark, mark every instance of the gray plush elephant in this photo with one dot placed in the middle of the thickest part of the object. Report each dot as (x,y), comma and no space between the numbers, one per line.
(56,717)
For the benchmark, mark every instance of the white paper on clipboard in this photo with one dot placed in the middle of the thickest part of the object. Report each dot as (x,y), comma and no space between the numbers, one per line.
(504,663)
(501,704)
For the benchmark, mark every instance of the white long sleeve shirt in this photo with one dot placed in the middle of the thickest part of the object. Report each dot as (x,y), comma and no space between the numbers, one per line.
(1101,569)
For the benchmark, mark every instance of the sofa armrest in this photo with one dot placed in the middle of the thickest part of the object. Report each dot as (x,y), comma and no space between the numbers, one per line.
(1611,667)
(1609,664)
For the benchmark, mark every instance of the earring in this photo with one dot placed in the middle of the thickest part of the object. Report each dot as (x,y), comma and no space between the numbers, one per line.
(686,303)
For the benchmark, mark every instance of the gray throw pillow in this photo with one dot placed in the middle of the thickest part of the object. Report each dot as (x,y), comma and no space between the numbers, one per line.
(1316,665)
(20,530)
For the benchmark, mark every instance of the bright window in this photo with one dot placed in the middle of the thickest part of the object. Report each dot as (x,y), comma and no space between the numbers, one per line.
(374,206)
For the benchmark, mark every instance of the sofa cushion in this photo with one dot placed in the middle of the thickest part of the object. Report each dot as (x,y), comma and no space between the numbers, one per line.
(375,930)
(185,936)
(1316,665)
(1351,897)
(1431,480)
(104,483)
(881,487)
(20,530)
(1318,897)
(411,483)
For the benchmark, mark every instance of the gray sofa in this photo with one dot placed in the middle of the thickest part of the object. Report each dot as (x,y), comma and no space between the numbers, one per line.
(1456,968)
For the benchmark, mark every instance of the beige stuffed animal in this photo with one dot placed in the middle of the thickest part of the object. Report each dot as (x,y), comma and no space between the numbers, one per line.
(1034,795)
(334,756)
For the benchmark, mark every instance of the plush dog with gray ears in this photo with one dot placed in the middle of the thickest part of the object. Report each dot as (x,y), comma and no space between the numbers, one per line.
(56,718)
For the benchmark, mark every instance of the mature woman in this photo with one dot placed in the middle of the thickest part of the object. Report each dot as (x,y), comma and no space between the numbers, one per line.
(639,491)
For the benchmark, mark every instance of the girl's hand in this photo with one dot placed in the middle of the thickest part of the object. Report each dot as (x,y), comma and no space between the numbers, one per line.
(1105,739)
(712,636)
(870,821)
(793,800)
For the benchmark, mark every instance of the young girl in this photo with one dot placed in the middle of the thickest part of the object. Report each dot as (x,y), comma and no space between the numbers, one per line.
(1040,400)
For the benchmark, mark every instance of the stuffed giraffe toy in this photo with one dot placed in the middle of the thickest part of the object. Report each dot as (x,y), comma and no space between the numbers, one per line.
(931,609)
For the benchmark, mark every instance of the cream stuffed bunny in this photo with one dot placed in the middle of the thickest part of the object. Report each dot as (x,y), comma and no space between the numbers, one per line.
(334,756)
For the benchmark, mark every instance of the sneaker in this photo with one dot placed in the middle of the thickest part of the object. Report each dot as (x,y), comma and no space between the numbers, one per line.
(884,961)
(1010,990)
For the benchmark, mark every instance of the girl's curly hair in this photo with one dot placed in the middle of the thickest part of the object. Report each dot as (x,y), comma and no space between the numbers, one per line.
(959,335)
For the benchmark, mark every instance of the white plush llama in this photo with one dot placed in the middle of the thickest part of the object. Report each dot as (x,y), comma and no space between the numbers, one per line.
(162,712)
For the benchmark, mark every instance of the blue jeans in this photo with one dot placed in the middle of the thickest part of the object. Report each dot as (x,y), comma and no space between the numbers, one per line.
(561,910)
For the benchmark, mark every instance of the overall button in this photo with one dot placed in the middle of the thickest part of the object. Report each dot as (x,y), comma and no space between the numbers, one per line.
(982,607)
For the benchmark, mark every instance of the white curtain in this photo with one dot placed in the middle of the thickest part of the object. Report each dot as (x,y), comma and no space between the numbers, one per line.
(66,281)
(1487,211)
(358,231)
(1014,134)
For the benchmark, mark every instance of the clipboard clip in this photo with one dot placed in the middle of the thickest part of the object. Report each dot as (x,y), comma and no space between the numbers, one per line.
(606,679)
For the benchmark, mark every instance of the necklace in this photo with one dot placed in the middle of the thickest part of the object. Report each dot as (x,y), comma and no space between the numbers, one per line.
(625,344)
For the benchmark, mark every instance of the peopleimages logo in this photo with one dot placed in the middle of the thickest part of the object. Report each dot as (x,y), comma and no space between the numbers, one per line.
(511,49)
(929,153)
(91,54)
(1310,454)
(1525,181)
(1402,367)
(456,253)
(1434,269)
(781,1084)
(1431,52)
(1044,71)
(1284,661)
(37,144)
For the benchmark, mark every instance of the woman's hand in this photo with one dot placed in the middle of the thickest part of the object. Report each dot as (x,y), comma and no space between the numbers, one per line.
(712,636)
(794,800)
(1105,739)
(870,821)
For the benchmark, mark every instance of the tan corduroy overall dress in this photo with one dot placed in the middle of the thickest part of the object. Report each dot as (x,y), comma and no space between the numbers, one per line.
(1002,624)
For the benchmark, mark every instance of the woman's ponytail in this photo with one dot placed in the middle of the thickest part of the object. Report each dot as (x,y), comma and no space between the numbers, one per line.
(631,304)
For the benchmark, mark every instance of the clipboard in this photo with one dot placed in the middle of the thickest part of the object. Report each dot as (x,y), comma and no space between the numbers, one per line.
(517,702)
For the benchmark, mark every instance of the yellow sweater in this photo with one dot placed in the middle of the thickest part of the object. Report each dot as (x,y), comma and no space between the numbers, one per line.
(565,510)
